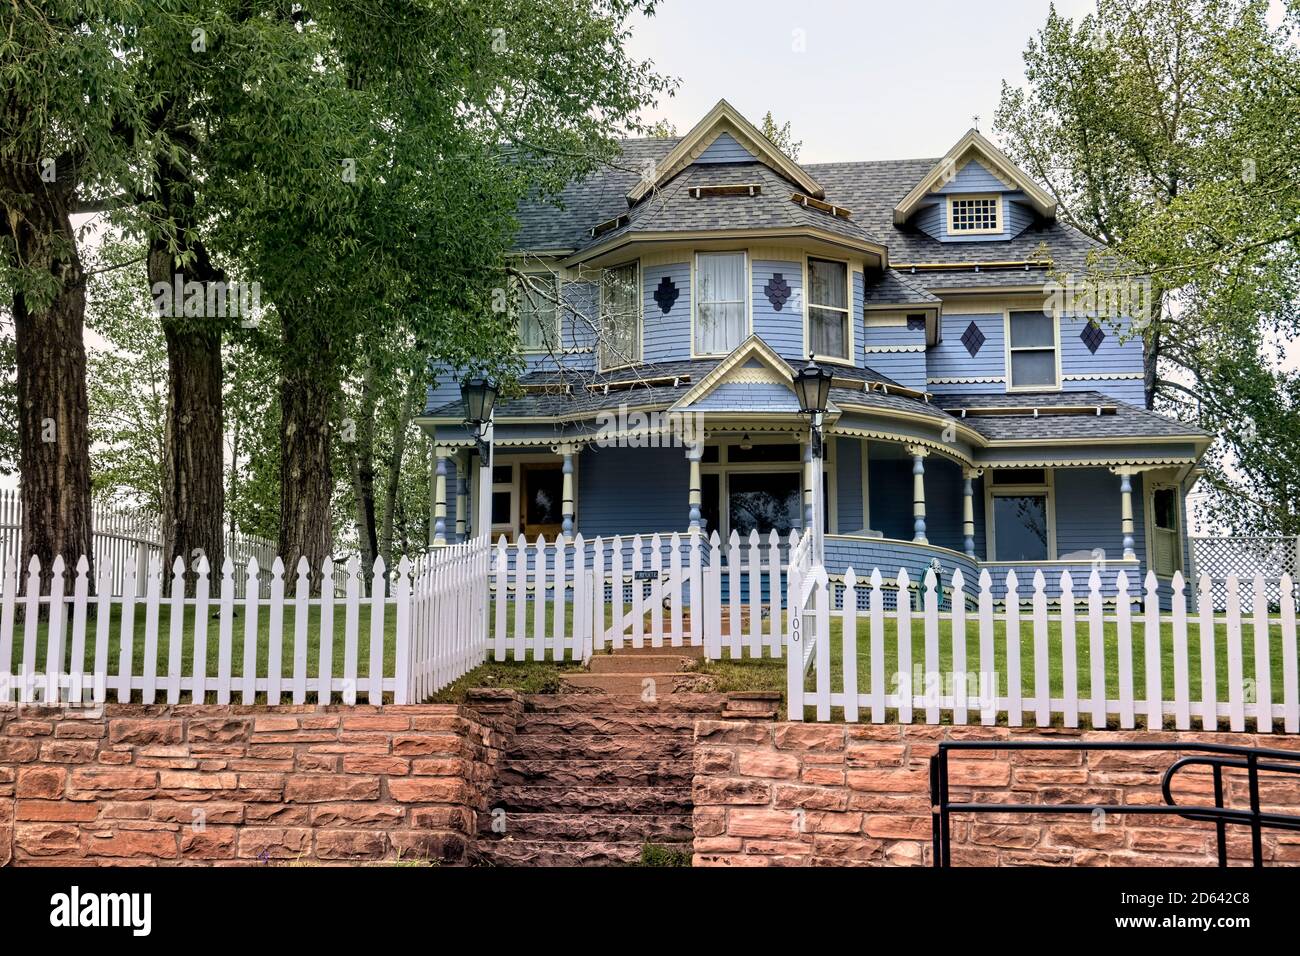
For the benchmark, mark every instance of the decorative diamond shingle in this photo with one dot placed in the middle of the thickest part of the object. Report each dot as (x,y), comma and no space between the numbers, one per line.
(666,294)
(916,323)
(777,291)
(1093,335)
(973,339)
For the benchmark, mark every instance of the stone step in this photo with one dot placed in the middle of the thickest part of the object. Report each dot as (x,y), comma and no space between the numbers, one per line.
(594,703)
(595,746)
(635,685)
(596,773)
(608,722)
(641,827)
(648,650)
(661,663)
(564,853)
(587,799)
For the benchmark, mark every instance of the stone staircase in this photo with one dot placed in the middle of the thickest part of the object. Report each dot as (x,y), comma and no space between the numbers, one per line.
(593,778)
(641,671)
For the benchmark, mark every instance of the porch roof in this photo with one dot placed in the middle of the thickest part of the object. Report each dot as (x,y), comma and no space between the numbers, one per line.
(1014,418)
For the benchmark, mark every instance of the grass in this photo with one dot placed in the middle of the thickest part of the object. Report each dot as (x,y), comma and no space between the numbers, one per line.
(655,854)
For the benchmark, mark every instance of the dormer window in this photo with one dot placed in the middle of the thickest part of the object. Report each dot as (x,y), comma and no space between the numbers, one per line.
(974,215)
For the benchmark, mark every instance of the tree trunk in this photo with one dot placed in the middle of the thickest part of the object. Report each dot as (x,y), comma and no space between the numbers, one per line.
(394,478)
(194,494)
(363,472)
(308,389)
(53,441)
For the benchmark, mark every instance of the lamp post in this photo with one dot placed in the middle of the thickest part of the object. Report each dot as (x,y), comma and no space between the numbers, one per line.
(813,387)
(480,397)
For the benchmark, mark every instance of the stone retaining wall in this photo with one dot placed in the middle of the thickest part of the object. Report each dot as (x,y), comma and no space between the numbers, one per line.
(769,794)
(241,785)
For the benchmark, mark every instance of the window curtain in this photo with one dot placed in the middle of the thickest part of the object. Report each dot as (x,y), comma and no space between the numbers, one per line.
(621,313)
(828,286)
(537,316)
(720,315)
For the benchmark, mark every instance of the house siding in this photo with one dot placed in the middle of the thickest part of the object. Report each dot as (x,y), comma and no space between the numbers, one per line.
(848,484)
(1113,358)
(782,330)
(667,336)
(983,372)
(724,149)
(632,491)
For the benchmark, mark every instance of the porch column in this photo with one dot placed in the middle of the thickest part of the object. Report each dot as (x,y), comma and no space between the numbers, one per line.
(968,476)
(695,493)
(918,492)
(567,513)
(808,478)
(440,496)
(462,489)
(1126,510)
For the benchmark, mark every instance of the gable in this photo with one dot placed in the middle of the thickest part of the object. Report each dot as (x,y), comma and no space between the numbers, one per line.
(724,149)
(755,370)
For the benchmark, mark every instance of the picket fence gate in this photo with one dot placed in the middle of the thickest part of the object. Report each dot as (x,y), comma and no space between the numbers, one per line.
(567,599)
(75,648)
(964,695)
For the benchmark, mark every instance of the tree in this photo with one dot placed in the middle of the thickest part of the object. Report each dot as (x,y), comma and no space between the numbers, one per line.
(1165,130)
(64,100)
(780,136)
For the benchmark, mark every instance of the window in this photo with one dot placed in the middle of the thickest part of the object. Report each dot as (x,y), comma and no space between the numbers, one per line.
(720,302)
(539,325)
(973,215)
(1020,515)
(763,502)
(1032,350)
(828,308)
(620,316)
(1166,543)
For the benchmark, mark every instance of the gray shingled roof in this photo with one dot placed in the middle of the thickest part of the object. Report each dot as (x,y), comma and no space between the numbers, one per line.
(891,287)
(1128,421)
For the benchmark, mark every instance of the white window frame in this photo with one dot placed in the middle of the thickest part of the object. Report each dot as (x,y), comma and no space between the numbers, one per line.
(723,468)
(695,299)
(640,319)
(956,198)
(1055,347)
(809,305)
(1150,487)
(518,300)
(992,490)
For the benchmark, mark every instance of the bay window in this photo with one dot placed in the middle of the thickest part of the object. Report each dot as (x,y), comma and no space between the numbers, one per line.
(828,308)
(620,316)
(1031,350)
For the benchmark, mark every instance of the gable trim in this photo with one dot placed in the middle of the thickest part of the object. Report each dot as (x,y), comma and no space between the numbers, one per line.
(752,347)
(724,118)
(993,159)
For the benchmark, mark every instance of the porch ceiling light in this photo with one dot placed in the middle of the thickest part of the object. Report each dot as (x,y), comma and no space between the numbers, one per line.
(813,387)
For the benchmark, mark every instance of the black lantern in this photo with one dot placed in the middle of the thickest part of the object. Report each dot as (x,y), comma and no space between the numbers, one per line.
(813,386)
(479,395)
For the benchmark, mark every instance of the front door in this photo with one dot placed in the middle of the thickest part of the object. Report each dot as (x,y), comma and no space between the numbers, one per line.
(541,496)
(1167,556)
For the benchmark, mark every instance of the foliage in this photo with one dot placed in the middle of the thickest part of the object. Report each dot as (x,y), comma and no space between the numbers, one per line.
(1165,130)
(8,395)
(781,136)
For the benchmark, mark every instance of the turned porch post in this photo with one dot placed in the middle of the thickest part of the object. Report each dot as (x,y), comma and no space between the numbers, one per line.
(918,492)
(1126,510)
(695,493)
(462,488)
(567,511)
(441,453)
(968,476)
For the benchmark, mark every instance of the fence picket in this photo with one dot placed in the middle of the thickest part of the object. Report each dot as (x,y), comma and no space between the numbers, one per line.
(378,592)
(598,594)
(1042,660)
(103,635)
(1096,652)
(499,630)
(755,632)
(8,598)
(301,612)
(849,645)
(638,595)
(401,658)
(1290,679)
(199,661)
(1069,652)
(876,612)
(1209,664)
(252,604)
(1011,612)
(581,603)
(54,633)
(675,592)
(931,685)
(275,633)
(153,599)
(776,619)
(1236,704)
(1178,616)
(126,634)
(539,599)
(957,634)
(1263,670)
(656,592)
(619,624)
(733,595)
(1124,650)
(521,598)
(697,590)
(1151,655)
(794,678)
(988,656)
(903,628)
(176,616)
(225,632)
(325,653)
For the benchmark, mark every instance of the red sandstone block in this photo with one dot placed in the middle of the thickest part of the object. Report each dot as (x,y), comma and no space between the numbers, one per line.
(275,843)
(80,730)
(320,721)
(709,821)
(29,728)
(45,783)
(1025,778)
(425,745)
(765,763)
(210,843)
(889,781)
(350,844)
(430,790)
(732,732)
(710,760)
(311,788)
(820,822)
(317,763)
(859,733)
(810,798)
(46,839)
(95,778)
(730,791)
(776,847)
(274,724)
(875,754)
(1010,835)
(455,819)
(717,844)
(342,815)
(831,850)
(261,781)
(117,758)
(293,737)
(192,780)
(1085,836)
(69,751)
(259,766)
(145,732)
(149,844)
(126,809)
(349,748)
(809,737)
(219,730)
(441,767)
(17,750)
(277,814)
(1169,841)
(823,776)
(429,845)
(443,723)
(191,815)
(746,822)
(388,723)
(55,811)
(376,763)
(898,827)
(907,853)
(977,773)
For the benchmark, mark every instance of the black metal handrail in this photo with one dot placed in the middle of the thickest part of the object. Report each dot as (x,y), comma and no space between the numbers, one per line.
(1253,760)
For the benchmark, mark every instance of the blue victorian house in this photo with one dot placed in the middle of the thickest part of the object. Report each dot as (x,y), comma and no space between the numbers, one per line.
(980,417)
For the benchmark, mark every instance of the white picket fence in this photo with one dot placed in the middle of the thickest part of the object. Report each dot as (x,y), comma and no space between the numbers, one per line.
(66,646)
(963,692)
(126,537)
(567,599)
